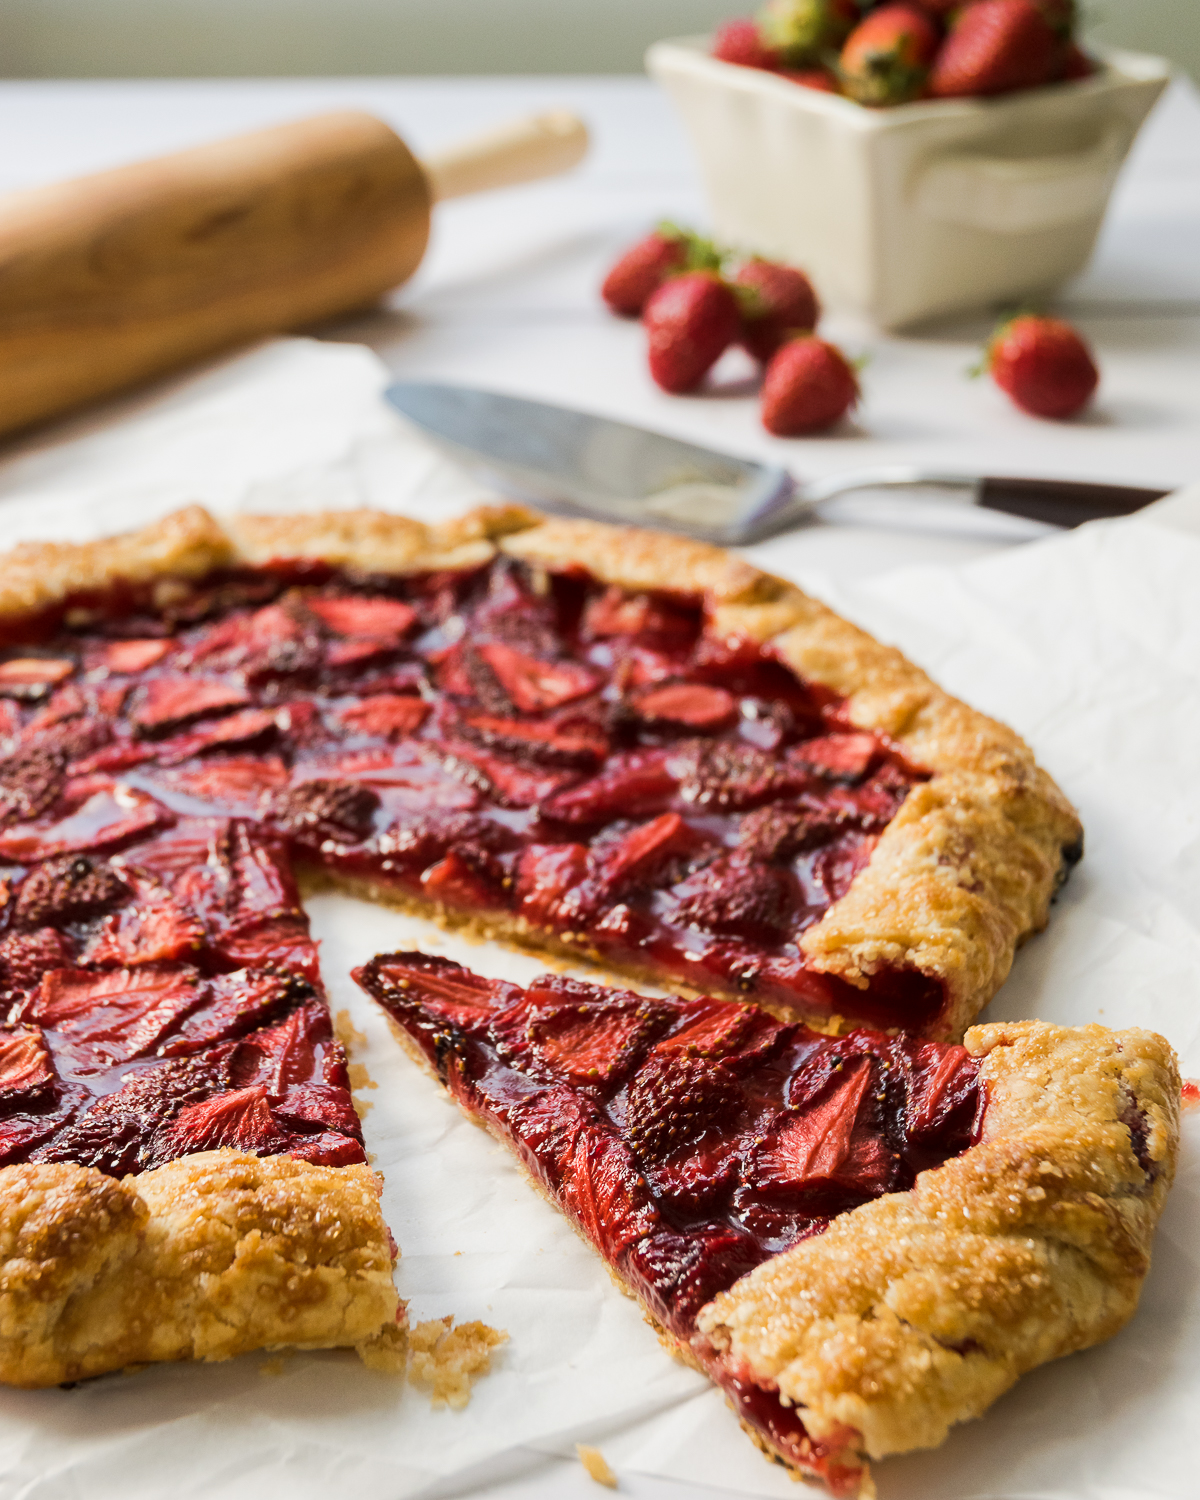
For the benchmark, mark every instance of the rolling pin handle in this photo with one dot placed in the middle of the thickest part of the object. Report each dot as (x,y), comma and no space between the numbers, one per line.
(532,147)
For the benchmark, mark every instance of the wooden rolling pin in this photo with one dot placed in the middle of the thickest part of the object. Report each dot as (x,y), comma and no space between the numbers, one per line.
(109,280)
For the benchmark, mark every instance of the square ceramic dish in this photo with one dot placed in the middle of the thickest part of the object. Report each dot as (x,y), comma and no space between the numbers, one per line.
(920,209)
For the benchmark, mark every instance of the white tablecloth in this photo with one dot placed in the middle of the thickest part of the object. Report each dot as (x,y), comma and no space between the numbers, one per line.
(1087,643)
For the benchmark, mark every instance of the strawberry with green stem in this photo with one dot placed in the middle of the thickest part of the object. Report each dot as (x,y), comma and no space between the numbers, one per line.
(644,267)
(995,46)
(803,31)
(777,302)
(1043,364)
(809,386)
(888,57)
(742,42)
(690,322)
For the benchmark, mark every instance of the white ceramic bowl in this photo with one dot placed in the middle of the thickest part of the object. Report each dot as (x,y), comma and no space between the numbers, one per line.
(920,209)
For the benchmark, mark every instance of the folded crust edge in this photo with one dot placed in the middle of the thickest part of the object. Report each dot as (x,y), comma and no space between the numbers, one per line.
(915,1312)
(204,1258)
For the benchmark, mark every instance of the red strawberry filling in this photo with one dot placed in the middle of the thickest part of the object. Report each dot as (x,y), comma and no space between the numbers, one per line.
(689,1140)
(33,676)
(595,763)
(168,702)
(637,785)
(117,1053)
(127,658)
(387,715)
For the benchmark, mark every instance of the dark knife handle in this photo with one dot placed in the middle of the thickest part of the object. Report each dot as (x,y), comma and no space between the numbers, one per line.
(1063,502)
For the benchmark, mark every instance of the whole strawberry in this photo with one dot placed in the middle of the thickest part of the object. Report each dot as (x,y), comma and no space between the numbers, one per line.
(690,322)
(809,385)
(802,30)
(887,58)
(741,42)
(777,303)
(645,266)
(1044,366)
(995,46)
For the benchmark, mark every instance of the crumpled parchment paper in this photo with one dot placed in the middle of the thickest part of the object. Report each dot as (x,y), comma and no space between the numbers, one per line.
(1088,643)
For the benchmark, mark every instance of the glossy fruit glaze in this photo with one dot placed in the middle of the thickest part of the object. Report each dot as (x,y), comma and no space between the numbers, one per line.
(164,1000)
(689,1140)
(590,763)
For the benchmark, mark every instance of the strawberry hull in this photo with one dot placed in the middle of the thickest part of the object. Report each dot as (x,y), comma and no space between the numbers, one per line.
(687,1140)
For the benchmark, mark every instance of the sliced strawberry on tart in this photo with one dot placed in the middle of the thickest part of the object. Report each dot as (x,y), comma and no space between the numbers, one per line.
(861,1239)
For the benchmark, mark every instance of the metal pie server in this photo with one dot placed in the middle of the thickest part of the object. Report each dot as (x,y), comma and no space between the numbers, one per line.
(585,465)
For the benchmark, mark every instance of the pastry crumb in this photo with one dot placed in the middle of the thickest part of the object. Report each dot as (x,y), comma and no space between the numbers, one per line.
(348,1033)
(596,1465)
(359,1077)
(354,1041)
(387,1350)
(274,1366)
(446,1359)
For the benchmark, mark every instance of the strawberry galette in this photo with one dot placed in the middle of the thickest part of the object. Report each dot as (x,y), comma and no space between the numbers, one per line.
(606,743)
(862,1239)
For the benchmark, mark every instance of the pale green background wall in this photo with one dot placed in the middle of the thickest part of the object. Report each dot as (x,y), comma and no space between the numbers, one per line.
(122,38)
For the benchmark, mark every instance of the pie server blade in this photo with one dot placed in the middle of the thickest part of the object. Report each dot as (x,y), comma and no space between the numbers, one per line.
(573,462)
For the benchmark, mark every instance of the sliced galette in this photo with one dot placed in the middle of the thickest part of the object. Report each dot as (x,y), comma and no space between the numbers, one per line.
(861,1239)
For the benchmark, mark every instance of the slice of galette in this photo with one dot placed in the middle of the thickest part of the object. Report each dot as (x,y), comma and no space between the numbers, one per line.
(862,1239)
(604,742)
(182,1174)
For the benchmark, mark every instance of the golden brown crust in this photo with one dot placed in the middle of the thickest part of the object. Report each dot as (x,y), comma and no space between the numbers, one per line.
(444,1360)
(960,878)
(376,541)
(916,1311)
(635,559)
(39,575)
(953,886)
(204,1258)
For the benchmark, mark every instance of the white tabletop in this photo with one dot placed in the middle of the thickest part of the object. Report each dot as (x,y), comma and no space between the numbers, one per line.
(507,298)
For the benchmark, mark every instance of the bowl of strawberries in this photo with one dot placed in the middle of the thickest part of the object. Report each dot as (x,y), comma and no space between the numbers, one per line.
(918,158)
